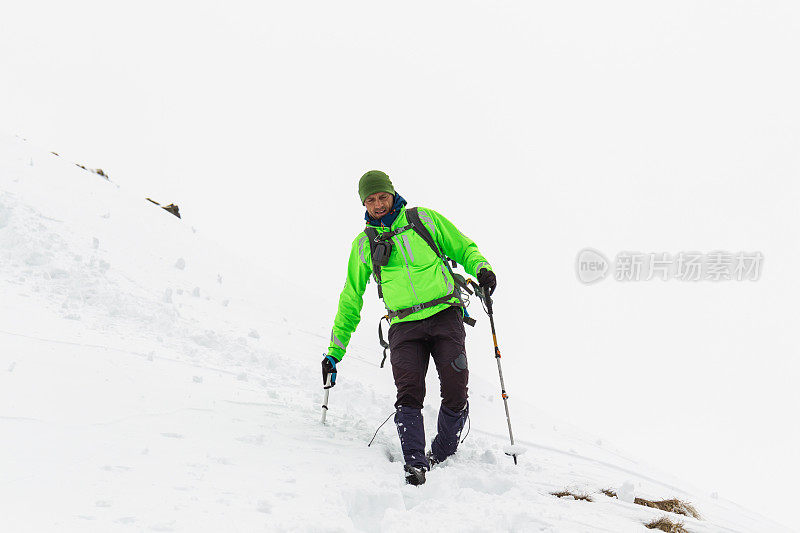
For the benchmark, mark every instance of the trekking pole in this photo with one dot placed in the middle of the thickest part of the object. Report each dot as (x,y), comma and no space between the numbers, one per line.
(487,300)
(325,401)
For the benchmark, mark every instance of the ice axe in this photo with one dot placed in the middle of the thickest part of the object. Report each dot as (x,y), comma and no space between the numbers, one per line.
(486,299)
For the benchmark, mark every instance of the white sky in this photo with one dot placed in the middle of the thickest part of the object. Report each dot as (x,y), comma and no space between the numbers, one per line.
(538,128)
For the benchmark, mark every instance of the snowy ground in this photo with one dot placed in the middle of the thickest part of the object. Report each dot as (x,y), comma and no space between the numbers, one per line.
(149,381)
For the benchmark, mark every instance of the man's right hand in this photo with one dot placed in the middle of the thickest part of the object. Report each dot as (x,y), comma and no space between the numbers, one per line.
(487,280)
(328,368)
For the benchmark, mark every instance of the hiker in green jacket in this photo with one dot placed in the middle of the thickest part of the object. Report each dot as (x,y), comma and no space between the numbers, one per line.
(426,313)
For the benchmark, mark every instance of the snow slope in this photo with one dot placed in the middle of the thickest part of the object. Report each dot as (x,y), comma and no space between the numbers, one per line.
(149,381)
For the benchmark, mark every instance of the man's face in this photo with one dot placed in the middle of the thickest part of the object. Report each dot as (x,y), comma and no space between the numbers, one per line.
(379,204)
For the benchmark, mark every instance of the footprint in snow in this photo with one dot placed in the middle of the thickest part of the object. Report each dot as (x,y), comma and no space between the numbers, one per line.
(115,468)
(257,440)
(163,527)
(389,455)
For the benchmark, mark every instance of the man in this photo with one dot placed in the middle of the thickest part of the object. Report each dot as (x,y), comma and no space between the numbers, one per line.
(426,313)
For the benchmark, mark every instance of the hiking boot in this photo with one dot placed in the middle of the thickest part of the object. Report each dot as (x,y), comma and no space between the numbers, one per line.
(414,476)
(432,460)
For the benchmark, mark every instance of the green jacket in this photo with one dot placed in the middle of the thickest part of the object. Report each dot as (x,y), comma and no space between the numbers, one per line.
(414,275)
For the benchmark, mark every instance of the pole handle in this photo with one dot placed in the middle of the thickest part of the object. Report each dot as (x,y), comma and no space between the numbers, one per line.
(325,400)
(480,293)
(488,300)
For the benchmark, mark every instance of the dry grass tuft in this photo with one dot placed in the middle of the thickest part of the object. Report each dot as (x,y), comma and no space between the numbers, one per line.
(665,524)
(671,506)
(565,493)
(610,493)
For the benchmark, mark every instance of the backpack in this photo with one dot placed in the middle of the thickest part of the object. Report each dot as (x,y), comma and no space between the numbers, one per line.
(378,240)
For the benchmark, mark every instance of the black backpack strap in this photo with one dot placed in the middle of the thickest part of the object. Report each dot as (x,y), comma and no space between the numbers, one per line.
(412,215)
(402,313)
(383,343)
(372,235)
(413,218)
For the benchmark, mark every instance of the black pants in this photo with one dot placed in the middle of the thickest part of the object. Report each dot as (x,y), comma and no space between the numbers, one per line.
(412,344)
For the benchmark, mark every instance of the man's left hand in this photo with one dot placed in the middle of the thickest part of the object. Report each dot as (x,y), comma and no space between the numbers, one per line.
(487,280)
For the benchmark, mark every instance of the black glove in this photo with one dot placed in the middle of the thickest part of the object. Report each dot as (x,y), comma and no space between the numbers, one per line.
(328,367)
(487,280)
